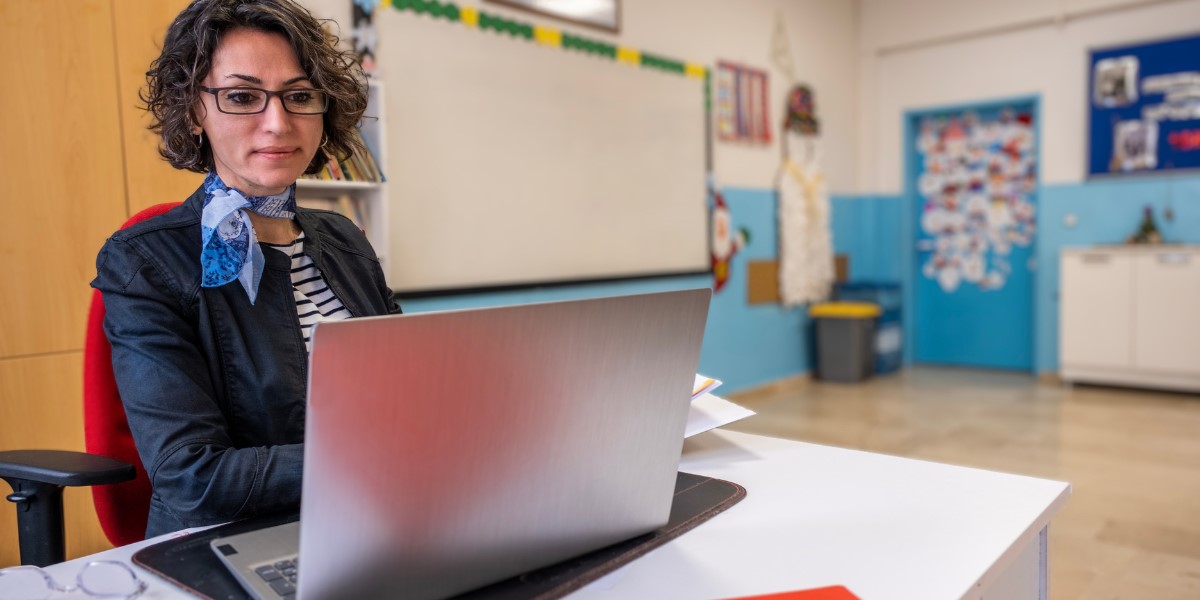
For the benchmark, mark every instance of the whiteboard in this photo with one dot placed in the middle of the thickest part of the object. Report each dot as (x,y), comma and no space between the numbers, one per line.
(511,163)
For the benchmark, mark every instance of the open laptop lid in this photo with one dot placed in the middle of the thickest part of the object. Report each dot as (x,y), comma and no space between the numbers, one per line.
(448,450)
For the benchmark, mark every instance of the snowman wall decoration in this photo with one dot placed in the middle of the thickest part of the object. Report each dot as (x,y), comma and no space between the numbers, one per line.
(806,270)
(725,241)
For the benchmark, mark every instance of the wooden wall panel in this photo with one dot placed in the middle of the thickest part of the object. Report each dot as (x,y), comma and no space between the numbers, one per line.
(41,406)
(43,397)
(62,183)
(140,27)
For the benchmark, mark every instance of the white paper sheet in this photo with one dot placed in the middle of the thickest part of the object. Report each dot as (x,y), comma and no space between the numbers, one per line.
(709,412)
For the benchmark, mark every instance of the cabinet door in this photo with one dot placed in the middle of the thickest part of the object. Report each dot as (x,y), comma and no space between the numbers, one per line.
(1167,311)
(1096,305)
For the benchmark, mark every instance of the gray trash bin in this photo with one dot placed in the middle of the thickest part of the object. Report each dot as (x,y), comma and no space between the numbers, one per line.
(845,340)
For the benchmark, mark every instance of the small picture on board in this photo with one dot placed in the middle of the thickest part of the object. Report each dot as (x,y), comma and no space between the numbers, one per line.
(1135,146)
(1114,82)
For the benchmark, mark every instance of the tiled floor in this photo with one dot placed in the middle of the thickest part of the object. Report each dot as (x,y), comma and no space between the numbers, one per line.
(1132,526)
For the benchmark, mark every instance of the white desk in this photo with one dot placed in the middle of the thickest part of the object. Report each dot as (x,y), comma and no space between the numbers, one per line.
(885,527)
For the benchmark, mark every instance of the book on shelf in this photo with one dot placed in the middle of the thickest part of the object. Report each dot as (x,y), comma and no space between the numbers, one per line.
(352,208)
(359,166)
(318,203)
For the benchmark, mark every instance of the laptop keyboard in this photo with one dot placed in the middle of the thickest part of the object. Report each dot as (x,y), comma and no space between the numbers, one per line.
(281,576)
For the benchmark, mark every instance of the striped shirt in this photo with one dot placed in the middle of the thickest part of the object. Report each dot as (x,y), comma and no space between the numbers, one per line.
(315,302)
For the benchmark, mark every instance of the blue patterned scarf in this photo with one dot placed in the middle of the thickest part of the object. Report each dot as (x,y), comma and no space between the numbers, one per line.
(229,248)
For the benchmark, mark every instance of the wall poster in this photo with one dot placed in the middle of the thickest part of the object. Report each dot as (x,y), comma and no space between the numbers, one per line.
(742,104)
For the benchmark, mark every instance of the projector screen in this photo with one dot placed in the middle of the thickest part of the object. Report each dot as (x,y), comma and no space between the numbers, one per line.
(510,163)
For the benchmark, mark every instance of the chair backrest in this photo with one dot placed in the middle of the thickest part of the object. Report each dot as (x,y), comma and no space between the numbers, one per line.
(122,507)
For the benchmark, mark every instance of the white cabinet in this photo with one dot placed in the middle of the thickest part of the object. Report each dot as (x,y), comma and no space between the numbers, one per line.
(1131,316)
(1167,320)
(364,201)
(1094,294)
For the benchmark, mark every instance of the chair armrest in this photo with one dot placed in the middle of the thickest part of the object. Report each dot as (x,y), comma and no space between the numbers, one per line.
(62,467)
(37,478)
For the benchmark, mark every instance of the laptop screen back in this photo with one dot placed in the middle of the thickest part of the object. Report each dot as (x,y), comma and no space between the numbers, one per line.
(445,451)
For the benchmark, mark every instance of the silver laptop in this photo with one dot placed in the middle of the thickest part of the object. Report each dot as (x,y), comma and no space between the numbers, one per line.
(446,451)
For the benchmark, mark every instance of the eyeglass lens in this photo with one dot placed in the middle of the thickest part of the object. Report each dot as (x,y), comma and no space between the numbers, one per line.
(109,580)
(251,100)
(25,583)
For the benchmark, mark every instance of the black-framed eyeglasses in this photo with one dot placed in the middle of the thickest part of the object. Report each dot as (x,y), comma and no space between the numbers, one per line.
(251,101)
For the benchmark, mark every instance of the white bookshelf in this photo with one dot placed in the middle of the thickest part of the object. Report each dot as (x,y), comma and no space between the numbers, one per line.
(370,197)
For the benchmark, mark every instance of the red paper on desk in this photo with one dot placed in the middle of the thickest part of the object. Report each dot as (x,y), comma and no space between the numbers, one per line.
(835,592)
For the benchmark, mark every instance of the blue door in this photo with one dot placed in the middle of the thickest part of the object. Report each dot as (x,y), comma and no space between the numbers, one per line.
(972,179)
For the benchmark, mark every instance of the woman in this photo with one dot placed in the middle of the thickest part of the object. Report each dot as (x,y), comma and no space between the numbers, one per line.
(209,306)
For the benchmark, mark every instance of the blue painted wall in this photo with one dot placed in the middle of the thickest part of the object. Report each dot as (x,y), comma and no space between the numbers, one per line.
(744,345)
(867,229)
(1107,211)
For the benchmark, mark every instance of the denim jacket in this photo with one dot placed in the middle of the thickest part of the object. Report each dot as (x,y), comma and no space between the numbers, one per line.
(214,388)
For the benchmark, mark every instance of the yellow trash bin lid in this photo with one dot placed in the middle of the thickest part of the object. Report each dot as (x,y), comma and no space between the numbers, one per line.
(844,310)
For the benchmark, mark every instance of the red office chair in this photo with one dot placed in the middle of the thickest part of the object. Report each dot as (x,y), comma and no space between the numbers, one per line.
(121,489)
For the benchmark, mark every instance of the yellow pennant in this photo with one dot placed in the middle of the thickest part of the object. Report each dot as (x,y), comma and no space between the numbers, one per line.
(628,55)
(469,16)
(547,36)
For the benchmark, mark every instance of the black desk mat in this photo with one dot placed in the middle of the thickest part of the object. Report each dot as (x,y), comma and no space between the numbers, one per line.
(189,562)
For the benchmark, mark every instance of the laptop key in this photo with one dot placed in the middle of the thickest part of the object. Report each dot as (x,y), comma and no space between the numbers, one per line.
(268,573)
(283,587)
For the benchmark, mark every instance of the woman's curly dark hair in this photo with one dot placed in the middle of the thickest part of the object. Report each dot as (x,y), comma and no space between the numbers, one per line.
(174,79)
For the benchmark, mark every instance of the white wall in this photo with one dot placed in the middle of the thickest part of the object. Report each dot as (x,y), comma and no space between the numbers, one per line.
(928,53)
(872,60)
(822,36)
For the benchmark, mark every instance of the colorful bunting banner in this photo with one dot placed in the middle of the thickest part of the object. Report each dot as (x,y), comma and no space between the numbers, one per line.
(549,36)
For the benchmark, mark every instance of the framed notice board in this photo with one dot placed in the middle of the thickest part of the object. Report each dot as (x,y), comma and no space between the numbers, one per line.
(1144,107)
